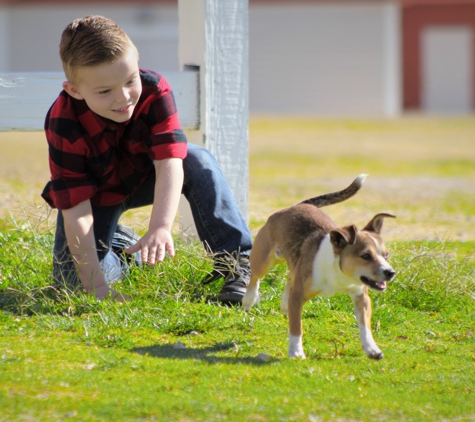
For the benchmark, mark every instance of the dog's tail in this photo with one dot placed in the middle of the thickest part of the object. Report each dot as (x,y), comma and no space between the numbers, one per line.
(335,197)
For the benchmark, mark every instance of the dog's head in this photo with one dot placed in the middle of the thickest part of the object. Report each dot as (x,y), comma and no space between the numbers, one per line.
(363,254)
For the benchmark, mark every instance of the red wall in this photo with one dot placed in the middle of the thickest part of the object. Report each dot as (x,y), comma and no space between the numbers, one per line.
(415,18)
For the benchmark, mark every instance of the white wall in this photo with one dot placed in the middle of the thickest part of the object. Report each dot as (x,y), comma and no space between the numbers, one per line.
(35,32)
(325,58)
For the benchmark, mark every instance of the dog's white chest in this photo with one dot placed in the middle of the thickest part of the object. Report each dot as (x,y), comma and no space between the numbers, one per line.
(328,279)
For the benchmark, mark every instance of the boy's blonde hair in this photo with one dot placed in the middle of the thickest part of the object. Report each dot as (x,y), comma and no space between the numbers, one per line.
(91,41)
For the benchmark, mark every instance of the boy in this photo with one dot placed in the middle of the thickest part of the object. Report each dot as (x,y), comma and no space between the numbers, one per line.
(115,143)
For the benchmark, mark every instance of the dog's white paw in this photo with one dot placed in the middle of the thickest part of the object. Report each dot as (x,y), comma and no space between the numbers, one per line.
(373,352)
(249,299)
(295,347)
(297,354)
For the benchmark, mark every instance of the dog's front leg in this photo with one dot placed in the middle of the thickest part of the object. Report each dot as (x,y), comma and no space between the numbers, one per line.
(295,321)
(363,313)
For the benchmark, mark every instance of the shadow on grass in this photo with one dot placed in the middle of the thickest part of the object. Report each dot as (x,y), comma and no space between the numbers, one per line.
(169,351)
(44,300)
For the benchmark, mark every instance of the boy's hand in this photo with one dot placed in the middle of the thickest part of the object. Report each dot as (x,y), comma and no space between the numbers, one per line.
(153,246)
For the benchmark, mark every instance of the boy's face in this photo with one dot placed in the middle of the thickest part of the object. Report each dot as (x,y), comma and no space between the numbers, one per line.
(110,90)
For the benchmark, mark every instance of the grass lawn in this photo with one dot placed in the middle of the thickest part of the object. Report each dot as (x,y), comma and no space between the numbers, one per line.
(175,354)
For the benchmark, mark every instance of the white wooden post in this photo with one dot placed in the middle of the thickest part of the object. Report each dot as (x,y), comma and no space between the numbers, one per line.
(213,39)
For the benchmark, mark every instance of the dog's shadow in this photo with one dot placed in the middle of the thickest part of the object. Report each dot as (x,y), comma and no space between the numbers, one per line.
(206,354)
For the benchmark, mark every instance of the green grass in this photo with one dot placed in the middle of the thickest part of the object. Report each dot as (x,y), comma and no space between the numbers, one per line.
(70,357)
(66,356)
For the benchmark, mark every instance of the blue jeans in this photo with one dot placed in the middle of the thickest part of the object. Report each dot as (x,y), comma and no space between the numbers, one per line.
(219,223)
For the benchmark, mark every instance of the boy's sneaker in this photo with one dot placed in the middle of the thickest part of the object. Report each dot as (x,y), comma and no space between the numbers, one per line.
(124,237)
(236,274)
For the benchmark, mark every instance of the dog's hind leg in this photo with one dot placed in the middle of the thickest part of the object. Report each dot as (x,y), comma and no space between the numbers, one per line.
(363,313)
(296,299)
(261,260)
(252,292)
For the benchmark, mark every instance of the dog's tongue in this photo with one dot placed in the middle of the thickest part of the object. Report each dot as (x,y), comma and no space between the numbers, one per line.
(382,284)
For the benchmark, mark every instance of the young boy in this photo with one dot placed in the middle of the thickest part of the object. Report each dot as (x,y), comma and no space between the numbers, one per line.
(115,143)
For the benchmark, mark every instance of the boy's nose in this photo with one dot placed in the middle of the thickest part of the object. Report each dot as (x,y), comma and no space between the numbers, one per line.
(123,95)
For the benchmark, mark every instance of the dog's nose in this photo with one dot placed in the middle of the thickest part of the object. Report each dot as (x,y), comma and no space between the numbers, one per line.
(389,274)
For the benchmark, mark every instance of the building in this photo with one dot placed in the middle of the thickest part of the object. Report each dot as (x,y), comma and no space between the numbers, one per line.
(439,55)
(306,57)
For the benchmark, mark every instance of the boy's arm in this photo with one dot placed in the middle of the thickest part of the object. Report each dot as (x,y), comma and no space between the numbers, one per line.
(78,224)
(168,186)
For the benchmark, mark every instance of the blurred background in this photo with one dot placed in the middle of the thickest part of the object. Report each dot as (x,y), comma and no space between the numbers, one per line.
(337,88)
(306,57)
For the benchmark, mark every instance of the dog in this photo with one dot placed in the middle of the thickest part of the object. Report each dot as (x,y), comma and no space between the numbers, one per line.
(323,259)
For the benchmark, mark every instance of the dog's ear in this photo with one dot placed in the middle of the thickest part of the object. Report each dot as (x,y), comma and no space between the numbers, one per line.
(376,224)
(343,236)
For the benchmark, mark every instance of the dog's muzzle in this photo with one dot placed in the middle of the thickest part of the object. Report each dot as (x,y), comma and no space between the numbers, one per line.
(379,286)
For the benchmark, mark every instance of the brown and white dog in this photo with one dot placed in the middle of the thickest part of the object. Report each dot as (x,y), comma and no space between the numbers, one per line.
(323,259)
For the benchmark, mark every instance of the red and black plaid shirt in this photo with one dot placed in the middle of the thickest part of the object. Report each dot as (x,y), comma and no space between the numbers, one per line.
(95,158)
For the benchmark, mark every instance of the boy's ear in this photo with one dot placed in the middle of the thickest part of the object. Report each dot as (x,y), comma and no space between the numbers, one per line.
(71,89)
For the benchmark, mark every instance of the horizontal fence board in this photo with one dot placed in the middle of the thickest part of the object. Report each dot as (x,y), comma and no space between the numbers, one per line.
(25,98)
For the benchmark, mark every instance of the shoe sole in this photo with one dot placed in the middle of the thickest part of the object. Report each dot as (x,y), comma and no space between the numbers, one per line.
(231,298)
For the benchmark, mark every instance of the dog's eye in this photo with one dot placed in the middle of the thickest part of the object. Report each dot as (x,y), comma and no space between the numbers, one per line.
(387,255)
(366,256)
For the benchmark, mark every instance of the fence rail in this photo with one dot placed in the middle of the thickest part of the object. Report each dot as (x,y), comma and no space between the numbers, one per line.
(25,98)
